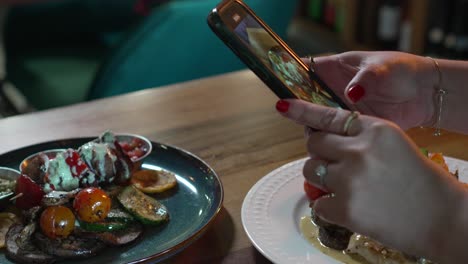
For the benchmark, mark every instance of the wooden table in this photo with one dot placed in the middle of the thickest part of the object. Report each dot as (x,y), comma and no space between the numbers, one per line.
(229,121)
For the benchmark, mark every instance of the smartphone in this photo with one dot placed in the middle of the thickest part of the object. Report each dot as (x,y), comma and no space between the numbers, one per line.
(267,55)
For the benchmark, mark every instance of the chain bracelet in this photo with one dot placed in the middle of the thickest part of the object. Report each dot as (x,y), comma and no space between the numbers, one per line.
(439,100)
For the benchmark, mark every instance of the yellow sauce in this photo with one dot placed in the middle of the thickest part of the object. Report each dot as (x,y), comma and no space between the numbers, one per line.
(310,231)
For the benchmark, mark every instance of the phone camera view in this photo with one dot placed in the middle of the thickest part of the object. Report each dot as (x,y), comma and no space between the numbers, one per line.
(285,67)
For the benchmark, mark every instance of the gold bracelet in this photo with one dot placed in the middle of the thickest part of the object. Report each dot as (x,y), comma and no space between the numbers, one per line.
(439,96)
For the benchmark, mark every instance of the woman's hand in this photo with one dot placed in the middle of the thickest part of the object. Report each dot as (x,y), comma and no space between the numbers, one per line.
(383,186)
(392,85)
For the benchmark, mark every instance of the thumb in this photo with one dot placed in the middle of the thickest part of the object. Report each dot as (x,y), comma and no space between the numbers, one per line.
(331,210)
(366,83)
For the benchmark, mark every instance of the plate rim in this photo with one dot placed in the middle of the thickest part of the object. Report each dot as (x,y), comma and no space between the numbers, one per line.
(172,251)
(453,163)
(250,195)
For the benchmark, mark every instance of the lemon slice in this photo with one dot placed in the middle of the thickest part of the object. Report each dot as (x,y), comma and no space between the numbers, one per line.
(6,221)
(153,181)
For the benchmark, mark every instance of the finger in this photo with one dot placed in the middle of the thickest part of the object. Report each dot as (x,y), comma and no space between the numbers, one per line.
(327,146)
(365,83)
(332,72)
(332,209)
(313,169)
(309,172)
(308,131)
(326,119)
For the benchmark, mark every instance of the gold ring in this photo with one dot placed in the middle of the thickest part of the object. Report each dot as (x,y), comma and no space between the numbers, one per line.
(349,120)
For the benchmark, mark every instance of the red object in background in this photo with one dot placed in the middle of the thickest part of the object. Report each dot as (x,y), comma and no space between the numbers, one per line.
(31,193)
(329,13)
(312,192)
(143,7)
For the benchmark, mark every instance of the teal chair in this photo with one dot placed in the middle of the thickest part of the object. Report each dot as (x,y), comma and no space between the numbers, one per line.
(175,44)
(55,48)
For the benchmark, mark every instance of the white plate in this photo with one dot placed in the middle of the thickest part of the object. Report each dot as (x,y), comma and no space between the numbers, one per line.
(273,207)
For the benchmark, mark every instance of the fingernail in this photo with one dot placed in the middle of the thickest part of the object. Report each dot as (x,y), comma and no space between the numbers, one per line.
(355,93)
(282,106)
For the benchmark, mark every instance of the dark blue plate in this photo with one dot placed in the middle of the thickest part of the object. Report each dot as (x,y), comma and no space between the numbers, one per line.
(193,205)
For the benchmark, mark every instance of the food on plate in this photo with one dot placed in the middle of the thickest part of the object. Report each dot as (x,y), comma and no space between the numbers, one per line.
(312,192)
(6,186)
(153,181)
(135,149)
(349,247)
(57,221)
(330,235)
(28,193)
(145,208)
(26,252)
(374,252)
(75,203)
(8,179)
(100,161)
(92,205)
(6,221)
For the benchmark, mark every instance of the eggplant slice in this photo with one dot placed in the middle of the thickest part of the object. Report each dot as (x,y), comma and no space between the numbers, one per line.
(30,254)
(70,247)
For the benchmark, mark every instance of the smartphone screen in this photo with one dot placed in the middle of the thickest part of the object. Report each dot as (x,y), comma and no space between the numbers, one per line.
(273,55)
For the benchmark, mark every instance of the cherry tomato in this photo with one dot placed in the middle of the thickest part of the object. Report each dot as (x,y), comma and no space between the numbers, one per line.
(439,159)
(92,204)
(57,222)
(312,192)
(31,193)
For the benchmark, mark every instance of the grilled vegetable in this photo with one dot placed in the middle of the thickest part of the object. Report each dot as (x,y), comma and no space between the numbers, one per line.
(92,205)
(145,208)
(153,181)
(57,222)
(29,193)
(70,247)
(104,226)
(27,253)
(6,221)
(117,219)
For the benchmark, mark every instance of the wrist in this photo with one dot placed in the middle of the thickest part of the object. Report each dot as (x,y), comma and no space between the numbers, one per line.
(438,95)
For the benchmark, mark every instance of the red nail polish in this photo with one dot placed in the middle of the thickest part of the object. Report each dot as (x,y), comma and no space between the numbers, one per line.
(355,93)
(282,106)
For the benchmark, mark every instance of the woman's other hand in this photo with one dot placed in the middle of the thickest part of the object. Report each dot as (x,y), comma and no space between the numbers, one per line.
(392,85)
(383,186)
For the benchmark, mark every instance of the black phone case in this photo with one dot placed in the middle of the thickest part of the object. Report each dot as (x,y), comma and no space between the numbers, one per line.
(250,59)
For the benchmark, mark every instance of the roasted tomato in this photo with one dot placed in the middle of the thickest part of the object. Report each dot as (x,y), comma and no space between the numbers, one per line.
(57,222)
(92,204)
(312,192)
(29,193)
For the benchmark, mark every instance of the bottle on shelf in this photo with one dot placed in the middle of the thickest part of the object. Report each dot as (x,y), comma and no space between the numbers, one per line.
(388,27)
(367,17)
(315,10)
(329,14)
(439,39)
(460,29)
(406,30)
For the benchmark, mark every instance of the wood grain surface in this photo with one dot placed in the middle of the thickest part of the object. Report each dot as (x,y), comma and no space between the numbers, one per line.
(229,121)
